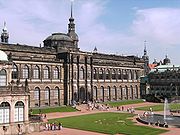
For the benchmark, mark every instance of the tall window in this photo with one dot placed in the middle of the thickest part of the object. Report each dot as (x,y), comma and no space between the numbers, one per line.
(95,93)
(37,93)
(46,72)
(25,72)
(14,72)
(36,72)
(113,74)
(81,73)
(4,112)
(101,74)
(56,73)
(95,73)
(119,75)
(3,78)
(107,74)
(19,111)
(56,93)
(125,76)
(47,93)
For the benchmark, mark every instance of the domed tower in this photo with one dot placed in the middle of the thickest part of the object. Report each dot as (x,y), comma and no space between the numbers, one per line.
(146,59)
(166,61)
(63,41)
(4,34)
(71,28)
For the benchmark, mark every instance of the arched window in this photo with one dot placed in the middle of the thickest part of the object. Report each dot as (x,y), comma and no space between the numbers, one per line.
(36,72)
(101,74)
(46,72)
(109,92)
(47,94)
(102,93)
(25,72)
(113,74)
(14,72)
(37,93)
(56,93)
(56,73)
(131,92)
(95,93)
(108,74)
(3,78)
(121,93)
(81,73)
(19,111)
(95,73)
(4,112)
(126,88)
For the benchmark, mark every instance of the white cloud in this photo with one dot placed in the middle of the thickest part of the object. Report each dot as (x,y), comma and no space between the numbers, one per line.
(30,22)
(160,25)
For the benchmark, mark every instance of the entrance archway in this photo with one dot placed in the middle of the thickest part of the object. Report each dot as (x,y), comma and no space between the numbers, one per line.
(82,95)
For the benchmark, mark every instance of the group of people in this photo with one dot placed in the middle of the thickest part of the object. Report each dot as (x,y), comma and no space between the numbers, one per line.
(53,126)
(129,109)
(94,105)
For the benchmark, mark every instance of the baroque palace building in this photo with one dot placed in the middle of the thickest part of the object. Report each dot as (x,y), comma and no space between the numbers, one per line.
(59,72)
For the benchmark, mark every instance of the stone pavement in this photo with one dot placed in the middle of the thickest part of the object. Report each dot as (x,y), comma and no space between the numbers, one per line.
(68,131)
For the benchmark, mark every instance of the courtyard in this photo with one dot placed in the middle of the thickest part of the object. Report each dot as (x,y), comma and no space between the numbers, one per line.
(95,122)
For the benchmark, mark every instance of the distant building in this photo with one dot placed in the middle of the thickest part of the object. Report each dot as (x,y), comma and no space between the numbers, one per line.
(164,80)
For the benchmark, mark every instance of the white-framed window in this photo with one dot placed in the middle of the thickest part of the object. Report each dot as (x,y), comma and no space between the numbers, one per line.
(25,72)
(36,72)
(56,73)
(37,93)
(47,93)
(14,71)
(19,111)
(46,73)
(4,112)
(3,77)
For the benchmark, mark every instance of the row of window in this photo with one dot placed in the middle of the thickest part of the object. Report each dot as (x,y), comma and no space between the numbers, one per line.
(115,74)
(114,92)
(37,93)
(5,112)
(36,72)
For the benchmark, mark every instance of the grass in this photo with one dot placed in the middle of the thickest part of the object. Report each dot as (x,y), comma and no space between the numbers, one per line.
(54,109)
(120,103)
(107,123)
(173,106)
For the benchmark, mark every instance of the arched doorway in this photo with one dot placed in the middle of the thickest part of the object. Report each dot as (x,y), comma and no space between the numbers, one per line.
(82,95)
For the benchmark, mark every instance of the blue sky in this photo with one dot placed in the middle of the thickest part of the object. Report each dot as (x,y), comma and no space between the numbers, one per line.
(113,26)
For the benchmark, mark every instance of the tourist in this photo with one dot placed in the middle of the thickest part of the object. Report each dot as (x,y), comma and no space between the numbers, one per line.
(122,108)
(60,126)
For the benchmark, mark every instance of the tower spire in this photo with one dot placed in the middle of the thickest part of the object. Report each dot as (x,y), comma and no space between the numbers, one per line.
(4,34)
(71,28)
(145,51)
(71,8)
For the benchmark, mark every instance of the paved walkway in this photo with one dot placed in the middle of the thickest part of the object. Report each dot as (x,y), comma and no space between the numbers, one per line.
(68,131)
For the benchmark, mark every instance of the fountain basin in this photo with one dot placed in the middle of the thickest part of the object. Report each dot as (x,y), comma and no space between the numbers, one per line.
(172,121)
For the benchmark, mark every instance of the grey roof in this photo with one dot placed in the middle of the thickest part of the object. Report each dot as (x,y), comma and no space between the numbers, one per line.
(59,37)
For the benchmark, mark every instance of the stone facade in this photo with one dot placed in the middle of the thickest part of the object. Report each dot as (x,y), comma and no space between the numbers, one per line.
(59,72)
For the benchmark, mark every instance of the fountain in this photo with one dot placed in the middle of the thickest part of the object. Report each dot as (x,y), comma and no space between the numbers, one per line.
(166,118)
(166,110)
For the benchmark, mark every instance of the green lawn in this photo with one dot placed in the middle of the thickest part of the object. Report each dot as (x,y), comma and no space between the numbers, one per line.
(126,102)
(160,107)
(54,109)
(108,123)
